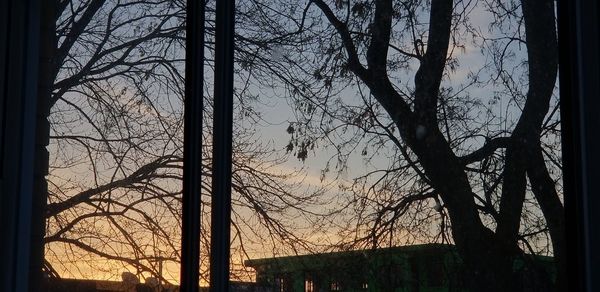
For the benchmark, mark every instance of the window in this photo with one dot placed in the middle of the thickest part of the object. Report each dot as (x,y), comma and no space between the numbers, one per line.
(284,283)
(280,284)
(335,286)
(401,129)
(374,156)
(309,285)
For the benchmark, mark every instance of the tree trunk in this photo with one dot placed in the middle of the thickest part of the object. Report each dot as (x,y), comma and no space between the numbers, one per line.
(488,256)
(544,190)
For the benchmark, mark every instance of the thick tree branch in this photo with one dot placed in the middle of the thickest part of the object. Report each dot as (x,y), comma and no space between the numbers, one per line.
(75,31)
(379,84)
(544,190)
(542,55)
(380,38)
(141,174)
(353,59)
(488,149)
(430,72)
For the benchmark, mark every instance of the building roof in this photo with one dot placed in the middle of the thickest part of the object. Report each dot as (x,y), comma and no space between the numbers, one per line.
(318,259)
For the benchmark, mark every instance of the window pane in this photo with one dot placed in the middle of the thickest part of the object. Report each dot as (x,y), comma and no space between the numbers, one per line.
(397,145)
(116,139)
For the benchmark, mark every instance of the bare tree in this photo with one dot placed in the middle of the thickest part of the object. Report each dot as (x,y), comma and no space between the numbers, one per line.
(116,118)
(475,162)
(477,155)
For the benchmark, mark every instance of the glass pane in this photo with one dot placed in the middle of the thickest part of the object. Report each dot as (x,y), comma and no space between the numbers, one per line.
(388,145)
(116,139)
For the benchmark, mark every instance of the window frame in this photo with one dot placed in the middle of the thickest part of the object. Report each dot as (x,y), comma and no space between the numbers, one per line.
(578,29)
(578,34)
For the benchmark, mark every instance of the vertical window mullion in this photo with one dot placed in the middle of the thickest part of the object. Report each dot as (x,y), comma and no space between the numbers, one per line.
(222,147)
(192,149)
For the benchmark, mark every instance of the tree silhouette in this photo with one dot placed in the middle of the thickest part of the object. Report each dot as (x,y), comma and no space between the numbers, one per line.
(473,160)
(480,156)
(116,140)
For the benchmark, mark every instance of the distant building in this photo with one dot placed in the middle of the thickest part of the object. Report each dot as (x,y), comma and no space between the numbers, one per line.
(82,285)
(427,267)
